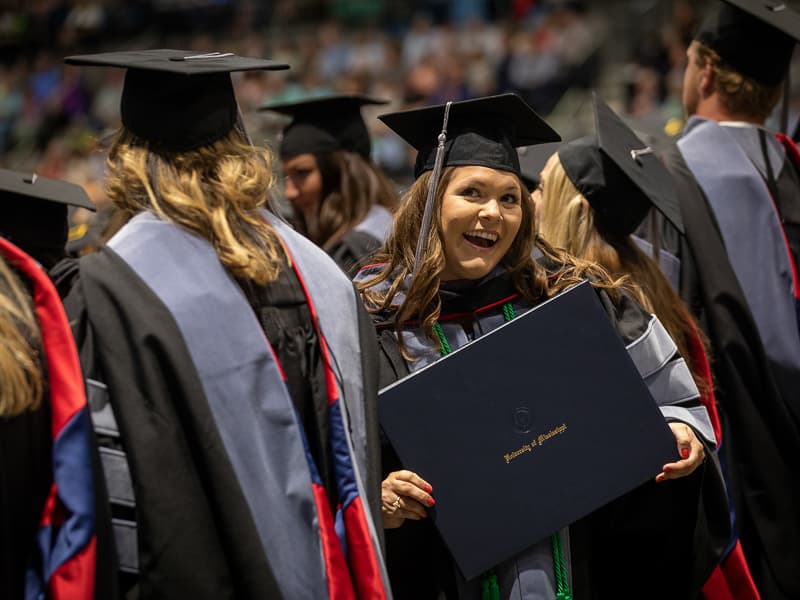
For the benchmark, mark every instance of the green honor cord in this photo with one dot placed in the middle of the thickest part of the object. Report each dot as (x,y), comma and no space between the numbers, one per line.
(444,346)
(508,311)
(560,568)
(490,590)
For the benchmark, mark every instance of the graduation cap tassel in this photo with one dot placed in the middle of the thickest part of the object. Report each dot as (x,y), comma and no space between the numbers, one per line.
(427,215)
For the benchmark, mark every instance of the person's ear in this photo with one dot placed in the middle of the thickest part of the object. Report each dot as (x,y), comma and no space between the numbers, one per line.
(584,205)
(707,78)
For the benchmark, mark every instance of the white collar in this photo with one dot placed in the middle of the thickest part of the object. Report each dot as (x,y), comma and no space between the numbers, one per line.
(742,124)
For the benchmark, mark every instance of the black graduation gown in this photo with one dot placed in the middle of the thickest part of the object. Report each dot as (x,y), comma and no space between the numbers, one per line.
(354,250)
(660,541)
(189,504)
(26,476)
(761,445)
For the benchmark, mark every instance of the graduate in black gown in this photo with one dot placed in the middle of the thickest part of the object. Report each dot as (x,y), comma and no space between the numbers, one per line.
(739,191)
(342,201)
(230,364)
(474,273)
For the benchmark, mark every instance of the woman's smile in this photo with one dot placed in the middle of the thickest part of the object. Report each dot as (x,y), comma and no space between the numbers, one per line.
(482,239)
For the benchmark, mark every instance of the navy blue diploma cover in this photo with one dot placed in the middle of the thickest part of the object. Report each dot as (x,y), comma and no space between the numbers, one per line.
(527,429)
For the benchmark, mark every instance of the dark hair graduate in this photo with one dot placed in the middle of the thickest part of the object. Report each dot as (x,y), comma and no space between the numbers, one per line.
(351,185)
(332,130)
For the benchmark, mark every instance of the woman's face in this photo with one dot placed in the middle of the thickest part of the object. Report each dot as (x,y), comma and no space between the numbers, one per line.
(481,215)
(303,184)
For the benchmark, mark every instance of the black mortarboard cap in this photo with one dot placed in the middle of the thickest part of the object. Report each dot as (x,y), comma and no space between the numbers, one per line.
(16,186)
(33,213)
(325,124)
(619,175)
(482,132)
(532,160)
(177,100)
(755,37)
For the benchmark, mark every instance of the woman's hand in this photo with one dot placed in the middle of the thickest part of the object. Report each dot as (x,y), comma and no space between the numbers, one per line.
(404,495)
(691,450)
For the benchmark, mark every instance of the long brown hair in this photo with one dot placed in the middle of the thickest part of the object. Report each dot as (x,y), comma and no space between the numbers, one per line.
(213,191)
(568,221)
(351,187)
(422,301)
(20,364)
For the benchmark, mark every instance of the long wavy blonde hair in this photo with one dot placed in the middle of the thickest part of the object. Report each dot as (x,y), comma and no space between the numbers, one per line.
(422,301)
(20,363)
(213,191)
(567,220)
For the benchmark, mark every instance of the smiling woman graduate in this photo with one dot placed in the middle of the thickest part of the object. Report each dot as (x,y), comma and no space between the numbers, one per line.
(228,360)
(473,271)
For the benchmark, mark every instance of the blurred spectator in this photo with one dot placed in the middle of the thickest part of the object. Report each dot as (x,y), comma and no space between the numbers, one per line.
(333,52)
(84,24)
(655,74)
(12,99)
(557,52)
(421,41)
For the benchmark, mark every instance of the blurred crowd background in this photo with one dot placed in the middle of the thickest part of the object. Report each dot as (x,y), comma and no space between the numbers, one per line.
(56,120)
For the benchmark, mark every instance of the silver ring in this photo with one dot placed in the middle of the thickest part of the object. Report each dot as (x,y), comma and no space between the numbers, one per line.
(396,503)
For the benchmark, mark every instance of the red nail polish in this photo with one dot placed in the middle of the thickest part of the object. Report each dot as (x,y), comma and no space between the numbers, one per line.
(431,501)
(667,469)
(428,488)
(684,453)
